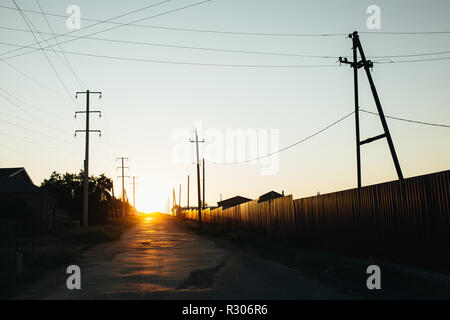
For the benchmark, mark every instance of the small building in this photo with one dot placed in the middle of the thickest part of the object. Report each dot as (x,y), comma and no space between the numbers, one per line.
(270,196)
(20,195)
(231,202)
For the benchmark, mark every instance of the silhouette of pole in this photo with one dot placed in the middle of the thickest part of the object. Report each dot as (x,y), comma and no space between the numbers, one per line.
(123,182)
(198,177)
(355,80)
(203,167)
(179,197)
(367,65)
(134,191)
(86,156)
(174,200)
(387,133)
(188,194)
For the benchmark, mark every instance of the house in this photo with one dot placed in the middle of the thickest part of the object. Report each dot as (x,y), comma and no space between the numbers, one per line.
(231,202)
(270,196)
(19,195)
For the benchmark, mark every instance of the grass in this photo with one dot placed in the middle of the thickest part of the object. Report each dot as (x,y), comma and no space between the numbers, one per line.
(345,273)
(48,252)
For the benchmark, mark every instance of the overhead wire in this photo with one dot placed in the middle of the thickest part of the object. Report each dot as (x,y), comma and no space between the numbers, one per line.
(28,22)
(183,62)
(289,146)
(302,55)
(115,27)
(245,33)
(102,21)
(408,120)
(77,78)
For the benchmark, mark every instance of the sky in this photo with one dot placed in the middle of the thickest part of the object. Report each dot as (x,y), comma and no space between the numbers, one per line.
(150,108)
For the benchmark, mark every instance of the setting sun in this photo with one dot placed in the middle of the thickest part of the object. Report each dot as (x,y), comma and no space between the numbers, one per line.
(150,199)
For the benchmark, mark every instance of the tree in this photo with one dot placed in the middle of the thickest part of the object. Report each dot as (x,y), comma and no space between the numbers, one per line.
(68,189)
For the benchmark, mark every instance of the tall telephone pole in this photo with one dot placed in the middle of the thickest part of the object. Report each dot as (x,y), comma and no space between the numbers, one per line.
(168,204)
(198,176)
(134,191)
(86,156)
(174,200)
(188,194)
(203,167)
(367,64)
(123,182)
(179,197)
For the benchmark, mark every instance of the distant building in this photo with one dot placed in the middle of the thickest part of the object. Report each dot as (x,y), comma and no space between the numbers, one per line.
(270,196)
(19,194)
(231,202)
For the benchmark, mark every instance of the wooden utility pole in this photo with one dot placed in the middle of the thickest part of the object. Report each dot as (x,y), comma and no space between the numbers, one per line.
(179,197)
(86,157)
(123,183)
(188,194)
(168,204)
(174,200)
(367,65)
(198,177)
(203,167)
(134,191)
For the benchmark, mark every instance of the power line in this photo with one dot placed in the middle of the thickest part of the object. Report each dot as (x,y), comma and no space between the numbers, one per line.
(180,46)
(29,105)
(213,64)
(35,131)
(39,121)
(23,74)
(28,22)
(183,62)
(406,32)
(16,105)
(289,146)
(408,120)
(135,24)
(56,40)
(104,21)
(219,49)
(35,142)
(412,61)
(240,32)
(33,122)
(115,27)
(411,55)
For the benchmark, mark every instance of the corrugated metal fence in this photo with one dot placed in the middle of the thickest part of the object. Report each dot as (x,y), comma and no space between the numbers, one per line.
(409,214)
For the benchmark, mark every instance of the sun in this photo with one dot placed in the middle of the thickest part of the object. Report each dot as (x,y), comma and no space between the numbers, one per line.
(150,200)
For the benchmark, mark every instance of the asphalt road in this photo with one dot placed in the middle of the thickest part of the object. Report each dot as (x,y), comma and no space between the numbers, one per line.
(160,259)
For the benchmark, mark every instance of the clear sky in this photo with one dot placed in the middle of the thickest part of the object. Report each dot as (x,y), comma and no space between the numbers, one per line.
(145,103)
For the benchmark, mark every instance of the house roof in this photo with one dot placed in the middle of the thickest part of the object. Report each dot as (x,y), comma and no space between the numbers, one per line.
(11,172)
(269,196)
(16,180)
(234,201)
